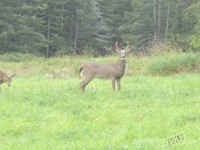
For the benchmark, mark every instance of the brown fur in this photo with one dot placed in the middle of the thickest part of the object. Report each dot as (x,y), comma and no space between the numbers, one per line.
(4,78)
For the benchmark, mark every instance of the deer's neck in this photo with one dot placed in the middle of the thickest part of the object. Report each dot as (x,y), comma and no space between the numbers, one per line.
(121,68)
(122,63)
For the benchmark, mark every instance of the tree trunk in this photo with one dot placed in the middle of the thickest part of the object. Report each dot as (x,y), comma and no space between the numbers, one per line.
(167,23)
(76,36)
(159,20)
(62,16)
(48,34)
(154,17)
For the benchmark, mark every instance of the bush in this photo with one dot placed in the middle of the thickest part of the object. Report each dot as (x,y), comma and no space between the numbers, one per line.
(16,57)
(194,43)
(174,63)
(165,64)
(164,47)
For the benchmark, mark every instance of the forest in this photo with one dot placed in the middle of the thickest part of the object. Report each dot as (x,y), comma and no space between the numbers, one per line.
(91,27)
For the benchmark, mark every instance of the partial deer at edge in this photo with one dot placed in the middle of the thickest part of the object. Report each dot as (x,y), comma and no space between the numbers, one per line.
(113,71)
(4,78)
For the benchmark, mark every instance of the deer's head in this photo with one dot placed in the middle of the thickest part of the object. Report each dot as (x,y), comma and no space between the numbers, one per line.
(122,52)
(9,79)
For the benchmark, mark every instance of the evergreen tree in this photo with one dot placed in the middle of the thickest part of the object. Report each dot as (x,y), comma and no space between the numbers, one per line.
(23,34)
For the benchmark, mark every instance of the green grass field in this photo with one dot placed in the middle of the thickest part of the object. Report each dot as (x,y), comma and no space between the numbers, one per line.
(39,113)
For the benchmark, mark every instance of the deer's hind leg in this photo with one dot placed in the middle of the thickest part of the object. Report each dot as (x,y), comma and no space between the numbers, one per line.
(84,83)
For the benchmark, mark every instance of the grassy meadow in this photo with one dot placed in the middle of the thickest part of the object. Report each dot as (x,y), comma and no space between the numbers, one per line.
(160,100)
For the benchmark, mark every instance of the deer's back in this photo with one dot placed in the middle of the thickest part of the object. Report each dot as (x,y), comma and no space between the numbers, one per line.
(3,76)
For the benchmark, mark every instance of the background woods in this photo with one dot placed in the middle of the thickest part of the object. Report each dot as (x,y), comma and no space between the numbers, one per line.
(48,27)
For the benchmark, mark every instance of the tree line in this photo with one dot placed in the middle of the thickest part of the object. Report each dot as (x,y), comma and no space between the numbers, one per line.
(66,27)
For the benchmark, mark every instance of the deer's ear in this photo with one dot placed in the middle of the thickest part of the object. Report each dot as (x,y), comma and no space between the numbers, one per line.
(117,49)
(127,48)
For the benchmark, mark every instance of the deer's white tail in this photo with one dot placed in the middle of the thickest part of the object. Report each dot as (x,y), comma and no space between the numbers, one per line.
(81,71)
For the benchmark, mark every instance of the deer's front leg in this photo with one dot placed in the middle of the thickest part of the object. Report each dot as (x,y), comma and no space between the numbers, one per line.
(113,84)
(118,84)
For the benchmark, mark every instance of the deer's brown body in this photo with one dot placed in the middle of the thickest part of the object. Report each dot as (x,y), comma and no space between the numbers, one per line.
(5,78)
(112,71)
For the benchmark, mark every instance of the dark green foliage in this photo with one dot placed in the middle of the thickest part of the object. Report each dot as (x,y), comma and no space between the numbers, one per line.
(17,57)
(63,27)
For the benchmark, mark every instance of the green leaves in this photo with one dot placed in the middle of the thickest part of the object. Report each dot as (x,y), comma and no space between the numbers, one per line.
(69,26)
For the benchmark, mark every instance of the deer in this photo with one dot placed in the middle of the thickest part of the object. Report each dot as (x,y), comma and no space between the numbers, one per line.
(113,71)
(4,78)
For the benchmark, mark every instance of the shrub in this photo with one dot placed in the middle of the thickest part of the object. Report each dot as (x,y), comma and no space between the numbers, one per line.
(174,63)
(164,47)
(194,43)
(165,64)
(16,57)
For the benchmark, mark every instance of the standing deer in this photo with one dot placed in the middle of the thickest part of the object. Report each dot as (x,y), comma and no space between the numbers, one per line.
(112,71)
(5,78)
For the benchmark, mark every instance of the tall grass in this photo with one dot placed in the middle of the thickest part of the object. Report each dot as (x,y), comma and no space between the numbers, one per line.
(165,64)
(174,63)
(158,48)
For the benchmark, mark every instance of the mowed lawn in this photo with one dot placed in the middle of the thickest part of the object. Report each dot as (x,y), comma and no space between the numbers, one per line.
(39,113)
